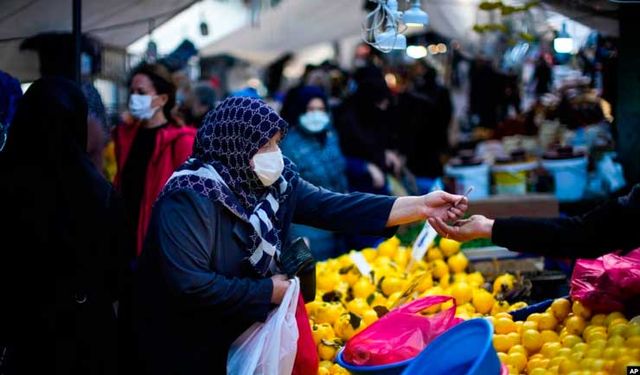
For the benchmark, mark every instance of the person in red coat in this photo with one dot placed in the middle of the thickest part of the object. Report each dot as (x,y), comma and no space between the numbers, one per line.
(149,145)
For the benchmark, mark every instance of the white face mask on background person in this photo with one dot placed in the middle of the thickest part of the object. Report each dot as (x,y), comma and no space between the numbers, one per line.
(315,121)
(140,106)
(268,166)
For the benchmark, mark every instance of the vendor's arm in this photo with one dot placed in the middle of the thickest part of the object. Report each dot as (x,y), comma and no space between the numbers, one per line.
(600,231)
(186,241)
(367,213)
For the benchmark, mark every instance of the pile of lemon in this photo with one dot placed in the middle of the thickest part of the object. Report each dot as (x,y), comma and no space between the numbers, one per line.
(347,301)
(567,339)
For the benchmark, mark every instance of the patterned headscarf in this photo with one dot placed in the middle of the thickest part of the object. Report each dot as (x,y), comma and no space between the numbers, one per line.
(220,170)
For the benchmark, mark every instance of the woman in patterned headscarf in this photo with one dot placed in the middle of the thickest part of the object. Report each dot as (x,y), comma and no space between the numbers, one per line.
(210,266)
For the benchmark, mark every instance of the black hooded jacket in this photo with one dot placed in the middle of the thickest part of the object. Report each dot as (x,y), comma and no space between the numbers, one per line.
(62,241)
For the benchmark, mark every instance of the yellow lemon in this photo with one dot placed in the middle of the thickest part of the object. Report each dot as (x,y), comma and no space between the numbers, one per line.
(549,349)
(325,364)
(323,371)
(504,326)
(363,288)
(499,306)
(390,285)
(449,247)
(532,340)
(503,357)
(575,324)
(434,254)
(570,340)
(518,349)
(561,308)
(482,301)
(581,310)
(518,361)
(439,268)
(369,316)
(370,254)
(613,316)
(503,283)
(549,336)
(529,325)
(514,337)
(475,279)
(389,247)
(358,306)
(445,280)
(462,293)
(327,350)
(457,263)
(598,319)
(425,282)
(502,343)
(567,366)
(633,342)
(547,321)
(537,371)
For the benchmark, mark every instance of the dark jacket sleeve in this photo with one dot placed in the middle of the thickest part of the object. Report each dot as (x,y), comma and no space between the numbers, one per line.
(186,237)
(356,213)
(605,229)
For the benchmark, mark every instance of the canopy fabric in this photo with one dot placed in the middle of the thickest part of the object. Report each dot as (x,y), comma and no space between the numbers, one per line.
(296,24)
(116,23)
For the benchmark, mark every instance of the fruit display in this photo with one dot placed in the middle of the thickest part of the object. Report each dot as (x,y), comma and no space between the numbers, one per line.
(567,339)
(348,301)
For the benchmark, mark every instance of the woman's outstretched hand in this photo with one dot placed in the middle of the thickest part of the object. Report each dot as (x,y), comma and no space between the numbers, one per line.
(438,204)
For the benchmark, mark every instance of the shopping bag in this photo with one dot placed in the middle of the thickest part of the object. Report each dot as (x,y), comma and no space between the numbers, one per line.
(269,348)
(609,283)
(401,334)
(307,356)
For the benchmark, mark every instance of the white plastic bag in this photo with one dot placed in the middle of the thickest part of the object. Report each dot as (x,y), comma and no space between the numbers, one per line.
(269,348)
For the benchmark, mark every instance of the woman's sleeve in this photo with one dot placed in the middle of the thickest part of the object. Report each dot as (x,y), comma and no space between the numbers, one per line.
(183,148)
(603,230)
(356,213)
(186,240)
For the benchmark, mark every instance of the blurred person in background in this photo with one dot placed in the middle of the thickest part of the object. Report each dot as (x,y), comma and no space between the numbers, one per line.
(99,130)
(313,146)
(364,125)
(204,100)
(62,221)
(149,145)
(424,118)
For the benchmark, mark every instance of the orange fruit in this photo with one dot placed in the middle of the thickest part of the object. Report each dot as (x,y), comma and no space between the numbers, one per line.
(502,343)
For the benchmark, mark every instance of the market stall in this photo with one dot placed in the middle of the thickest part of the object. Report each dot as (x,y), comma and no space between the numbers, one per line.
(529,334)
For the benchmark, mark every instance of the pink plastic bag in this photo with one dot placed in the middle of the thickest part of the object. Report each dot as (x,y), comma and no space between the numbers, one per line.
(607,283)
(401,334)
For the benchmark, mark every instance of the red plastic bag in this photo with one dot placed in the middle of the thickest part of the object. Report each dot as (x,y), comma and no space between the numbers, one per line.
(307,356)
(608,283)
(401,334)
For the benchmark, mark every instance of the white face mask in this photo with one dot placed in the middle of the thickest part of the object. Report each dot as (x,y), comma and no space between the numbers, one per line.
(140,106)
(268,166)
(315,121)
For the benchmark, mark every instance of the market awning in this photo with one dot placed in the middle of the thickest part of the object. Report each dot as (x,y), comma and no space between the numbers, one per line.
(296,24)
(116,23)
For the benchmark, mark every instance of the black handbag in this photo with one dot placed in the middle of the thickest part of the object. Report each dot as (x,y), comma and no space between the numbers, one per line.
(297,260)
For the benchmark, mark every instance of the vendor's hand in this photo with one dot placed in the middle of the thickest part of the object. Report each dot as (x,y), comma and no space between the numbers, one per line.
(280,286)
(477,226)
(445,206)
(377,175)
(393,161)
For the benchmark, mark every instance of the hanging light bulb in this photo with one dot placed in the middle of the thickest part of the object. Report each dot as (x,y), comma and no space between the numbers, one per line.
(415,16)
(563,43)
(417,52)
